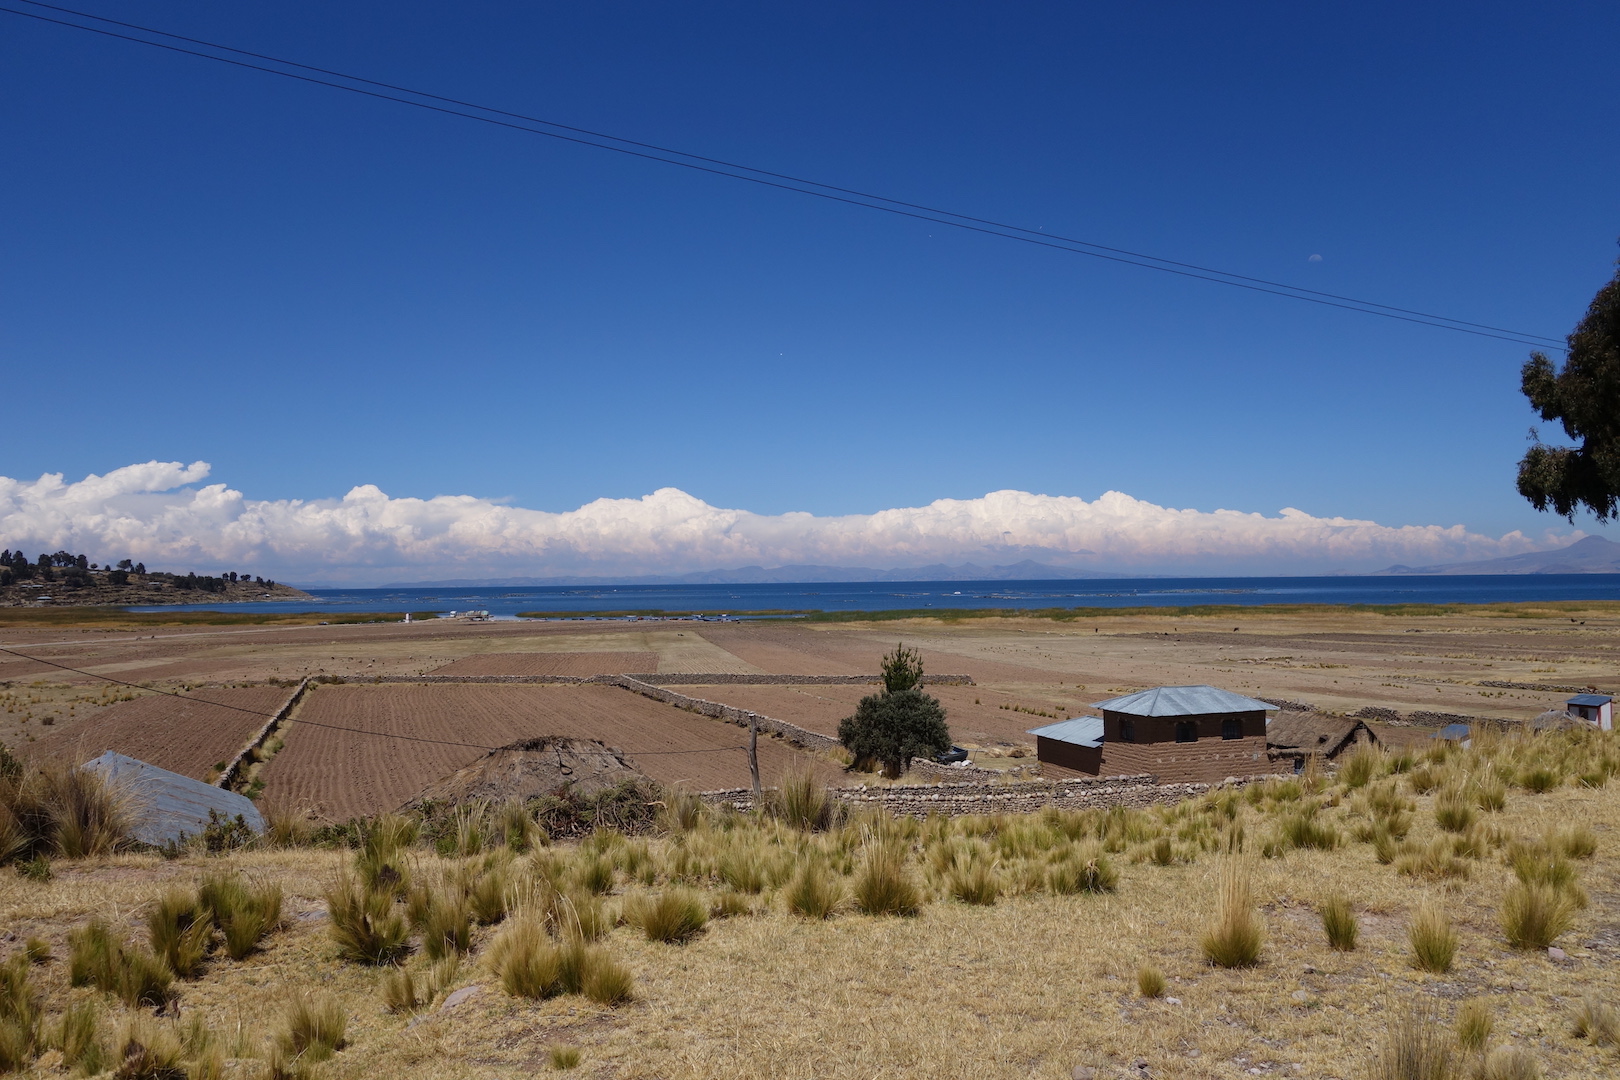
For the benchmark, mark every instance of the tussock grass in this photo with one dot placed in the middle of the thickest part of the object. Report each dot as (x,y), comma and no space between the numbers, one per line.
(446,924)
(287,828)
(563,1058)
(313,1028)
(100,957)
(1534,916)
(1474,1024)
(38,950)
(1510,1063)
(401,992)
(364,923)
(1597,1021)
(883,886)
(803,803)
(146,1050)
(20,1009)
(1539,779)
(180,932)
(1339,923)
(1234,938)
(1432,938)
(1453,811)
(1575,841)
(1084,870)
(1362,765)
(682,810)
(674,916)
(815,891)
(1150,981)
(974,881)
(530,964)
(1414,1048)
(78,1037)
(56,810)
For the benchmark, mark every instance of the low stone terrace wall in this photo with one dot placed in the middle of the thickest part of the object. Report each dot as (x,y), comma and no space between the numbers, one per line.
(980,797)
(700,679)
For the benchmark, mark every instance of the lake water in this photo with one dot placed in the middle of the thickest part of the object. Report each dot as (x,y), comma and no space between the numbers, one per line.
(921,595)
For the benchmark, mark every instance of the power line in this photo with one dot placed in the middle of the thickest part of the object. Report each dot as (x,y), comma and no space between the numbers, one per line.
(767,178)
(317,723)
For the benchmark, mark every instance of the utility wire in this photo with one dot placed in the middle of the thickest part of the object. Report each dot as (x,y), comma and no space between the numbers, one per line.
(782,181)
(317,723)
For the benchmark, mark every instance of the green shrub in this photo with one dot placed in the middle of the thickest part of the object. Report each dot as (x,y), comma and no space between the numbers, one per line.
(1339,923)
(1234,939)
(1534,916)
(1433,941)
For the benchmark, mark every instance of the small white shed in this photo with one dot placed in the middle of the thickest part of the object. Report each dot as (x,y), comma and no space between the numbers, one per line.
(1597,708)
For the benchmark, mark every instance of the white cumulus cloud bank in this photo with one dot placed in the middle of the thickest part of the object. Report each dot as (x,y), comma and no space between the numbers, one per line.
(164,514)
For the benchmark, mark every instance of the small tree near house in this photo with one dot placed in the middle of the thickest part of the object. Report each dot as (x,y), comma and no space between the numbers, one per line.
(902,722)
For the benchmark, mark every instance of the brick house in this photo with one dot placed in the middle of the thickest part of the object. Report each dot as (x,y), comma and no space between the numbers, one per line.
(1181,734)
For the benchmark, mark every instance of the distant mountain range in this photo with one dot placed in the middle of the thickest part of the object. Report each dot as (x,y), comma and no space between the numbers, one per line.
(1589,555)
(1028,570)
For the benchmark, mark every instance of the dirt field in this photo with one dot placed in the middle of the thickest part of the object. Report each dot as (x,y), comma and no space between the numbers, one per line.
(975,713)
(341,774)
(184,735)
(553,663)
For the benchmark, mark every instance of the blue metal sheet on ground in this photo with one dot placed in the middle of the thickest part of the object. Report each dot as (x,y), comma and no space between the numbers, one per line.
(168,806)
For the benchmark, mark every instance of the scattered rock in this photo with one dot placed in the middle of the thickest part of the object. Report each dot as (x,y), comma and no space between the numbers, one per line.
(1309,970)
(1084,1072)
(1301,995)
(1555,953)
(1517,985)
(1195,1052)
(460,996)
(1172,1001)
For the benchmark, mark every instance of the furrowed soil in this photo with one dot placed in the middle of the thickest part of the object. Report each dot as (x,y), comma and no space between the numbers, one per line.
(552,663)
(360,750)
(190,734)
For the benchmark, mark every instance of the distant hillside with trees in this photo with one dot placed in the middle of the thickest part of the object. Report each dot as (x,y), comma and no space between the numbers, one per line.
(68,579)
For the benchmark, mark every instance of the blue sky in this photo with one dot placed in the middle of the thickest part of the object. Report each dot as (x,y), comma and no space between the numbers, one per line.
(313,291)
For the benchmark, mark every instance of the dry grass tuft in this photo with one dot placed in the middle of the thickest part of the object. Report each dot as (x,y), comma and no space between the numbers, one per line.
(179,932)
(1575,841)
(563,1058)
(674,916)
(1339,923)
(20,1004)
(1233,940)
(1150,981)
(803,803)
(1510,1063)
(365,925)
(101,958)
(1534,916)
(815,891)
(973,880)
(244,913)
(1474,1024)
(149,1051)
(1082,871)
(1453,811)
(1433,940)
(313,1028)
(1597,1021)
(78,1037)
(883,886)
(1414,1049)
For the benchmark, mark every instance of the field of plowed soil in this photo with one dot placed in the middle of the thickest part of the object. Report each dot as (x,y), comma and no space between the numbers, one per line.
(553,663)
(974,713)
(339,774)
(187,735)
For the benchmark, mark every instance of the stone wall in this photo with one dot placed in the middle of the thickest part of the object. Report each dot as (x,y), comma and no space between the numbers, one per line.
(793,733)
(980,797)
(700,679)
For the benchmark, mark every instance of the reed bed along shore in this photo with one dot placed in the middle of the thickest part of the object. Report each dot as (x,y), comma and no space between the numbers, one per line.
(1207,938)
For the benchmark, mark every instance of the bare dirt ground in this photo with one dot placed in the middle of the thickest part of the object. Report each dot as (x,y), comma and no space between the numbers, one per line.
(1026,670)
(188,735)
(401,738)
(552,663)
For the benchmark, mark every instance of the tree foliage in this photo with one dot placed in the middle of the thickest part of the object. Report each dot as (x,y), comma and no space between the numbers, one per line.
(1585,397)
(900,723)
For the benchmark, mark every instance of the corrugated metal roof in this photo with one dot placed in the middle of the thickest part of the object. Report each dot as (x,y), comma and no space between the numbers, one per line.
(170,807)
(1593,700)
(1081,731)
(1183,701)
(1453,732)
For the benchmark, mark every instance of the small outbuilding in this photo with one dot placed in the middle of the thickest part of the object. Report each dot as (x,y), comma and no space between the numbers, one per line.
(1180,734)
(1596,708)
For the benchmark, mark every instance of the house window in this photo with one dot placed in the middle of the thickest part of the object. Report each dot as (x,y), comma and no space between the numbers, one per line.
(1232,728)
(1186,731)
(1127,731)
